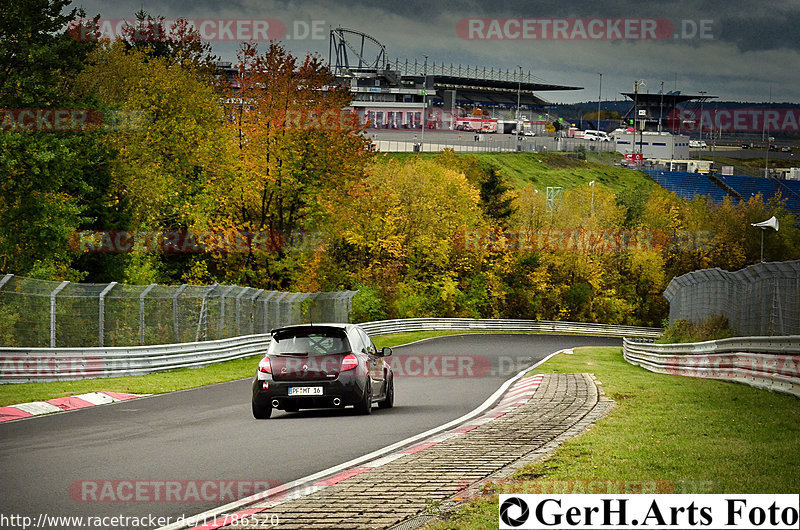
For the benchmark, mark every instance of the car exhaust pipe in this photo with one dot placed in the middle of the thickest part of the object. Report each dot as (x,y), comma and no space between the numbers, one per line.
(337,402)
(275,403)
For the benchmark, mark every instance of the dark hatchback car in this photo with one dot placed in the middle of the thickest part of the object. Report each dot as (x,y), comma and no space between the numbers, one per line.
(322,366)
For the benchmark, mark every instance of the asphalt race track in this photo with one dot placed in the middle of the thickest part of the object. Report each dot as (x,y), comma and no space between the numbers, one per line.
(209,434)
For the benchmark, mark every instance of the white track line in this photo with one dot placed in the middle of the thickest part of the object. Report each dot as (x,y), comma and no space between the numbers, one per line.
(210,515)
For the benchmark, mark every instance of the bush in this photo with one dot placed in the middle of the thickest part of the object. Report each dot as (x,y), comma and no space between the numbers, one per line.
(714,327)
(368,305)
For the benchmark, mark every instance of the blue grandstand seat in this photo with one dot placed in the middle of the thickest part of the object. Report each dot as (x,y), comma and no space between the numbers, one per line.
(751,186)
(687,185)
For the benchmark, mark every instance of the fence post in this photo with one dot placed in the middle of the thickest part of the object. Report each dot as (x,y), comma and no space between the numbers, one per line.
(5,280)
(202,323)
(53,312)
(253,310)
(175,311)
(222,311)
(278,322)
(141,311)
(270,294)
(101,324)
(238,311)
(290,310)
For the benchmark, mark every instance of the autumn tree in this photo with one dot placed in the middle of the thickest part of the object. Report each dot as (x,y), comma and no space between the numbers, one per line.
(400,229)
(297,144)
(166,138)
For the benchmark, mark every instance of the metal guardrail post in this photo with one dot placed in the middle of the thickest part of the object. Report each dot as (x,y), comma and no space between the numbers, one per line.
(175,311)
(101,323)
(141,311)
(222,310)
(53,312)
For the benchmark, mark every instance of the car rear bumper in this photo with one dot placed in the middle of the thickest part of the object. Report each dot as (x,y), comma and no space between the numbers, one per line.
(339,393)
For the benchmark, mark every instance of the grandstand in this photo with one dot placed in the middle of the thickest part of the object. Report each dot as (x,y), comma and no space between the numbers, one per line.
(739,187)
(686,185)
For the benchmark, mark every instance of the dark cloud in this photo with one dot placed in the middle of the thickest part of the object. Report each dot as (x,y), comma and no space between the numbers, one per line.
(752,45)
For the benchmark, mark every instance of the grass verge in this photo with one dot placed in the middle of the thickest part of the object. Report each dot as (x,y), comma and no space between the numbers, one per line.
(554,169)
(685,434)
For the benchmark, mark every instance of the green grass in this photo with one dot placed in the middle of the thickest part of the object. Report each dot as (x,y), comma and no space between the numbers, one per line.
(157,383)
(554,169)
(683,434)
(172,380)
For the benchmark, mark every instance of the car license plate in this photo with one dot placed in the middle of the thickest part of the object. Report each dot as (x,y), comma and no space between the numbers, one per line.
(305,390)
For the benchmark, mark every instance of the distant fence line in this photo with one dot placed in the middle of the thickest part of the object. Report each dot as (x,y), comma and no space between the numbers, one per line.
(760,300)
(22,365)
(485,144)
(40,313)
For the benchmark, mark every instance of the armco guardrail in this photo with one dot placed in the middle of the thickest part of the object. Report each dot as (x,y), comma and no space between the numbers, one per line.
(23,365)
(771,363)
(385,327)
(20,365)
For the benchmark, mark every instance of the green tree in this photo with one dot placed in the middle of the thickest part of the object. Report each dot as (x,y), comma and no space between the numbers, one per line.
(496,199)
(43,175)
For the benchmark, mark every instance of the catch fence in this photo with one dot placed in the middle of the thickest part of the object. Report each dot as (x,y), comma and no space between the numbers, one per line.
(40,313)
(760,300)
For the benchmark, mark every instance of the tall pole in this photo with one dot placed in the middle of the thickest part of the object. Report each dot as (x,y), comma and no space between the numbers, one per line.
(424,103)
(702,100)
(766,155)
(637,85)
(661,108)
(519,86)
(635,112)
(599,98)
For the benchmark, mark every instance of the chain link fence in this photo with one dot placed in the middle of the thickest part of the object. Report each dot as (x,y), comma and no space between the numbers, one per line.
(760,300)
(40,313)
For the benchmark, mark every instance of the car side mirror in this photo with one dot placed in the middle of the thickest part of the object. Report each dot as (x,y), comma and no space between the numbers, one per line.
(386,351)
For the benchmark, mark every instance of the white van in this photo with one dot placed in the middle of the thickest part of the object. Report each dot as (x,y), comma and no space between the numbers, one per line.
(596,136)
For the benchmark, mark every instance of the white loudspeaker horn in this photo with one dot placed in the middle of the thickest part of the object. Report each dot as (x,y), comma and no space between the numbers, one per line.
(772,222)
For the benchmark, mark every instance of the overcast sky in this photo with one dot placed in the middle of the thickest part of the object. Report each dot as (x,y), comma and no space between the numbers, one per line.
(732,49)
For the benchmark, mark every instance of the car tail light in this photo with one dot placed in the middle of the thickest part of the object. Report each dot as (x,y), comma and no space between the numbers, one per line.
(349,362)
(264,366)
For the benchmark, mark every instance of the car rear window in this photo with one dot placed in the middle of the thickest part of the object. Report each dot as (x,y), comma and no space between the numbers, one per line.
(309,342)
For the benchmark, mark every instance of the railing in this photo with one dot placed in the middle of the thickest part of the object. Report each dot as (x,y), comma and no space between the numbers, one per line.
(418,67)
(506,143)
(20,365)
(771,363)
(386,327)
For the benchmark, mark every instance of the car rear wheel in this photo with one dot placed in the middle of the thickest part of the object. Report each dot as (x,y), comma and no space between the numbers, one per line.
(261,412)
(389,401)
(365,405)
